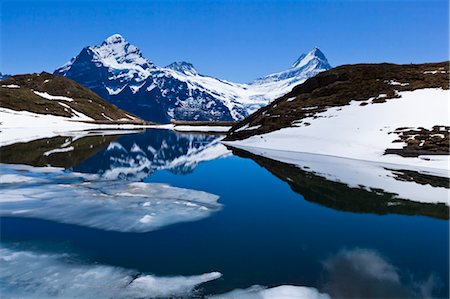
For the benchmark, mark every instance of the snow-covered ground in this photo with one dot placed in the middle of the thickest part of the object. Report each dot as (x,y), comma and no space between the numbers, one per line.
(124,206)
(362,132)
(24,126)
(34,274)
(219,129)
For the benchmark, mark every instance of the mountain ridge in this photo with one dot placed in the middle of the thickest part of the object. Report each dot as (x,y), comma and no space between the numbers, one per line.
(118,72)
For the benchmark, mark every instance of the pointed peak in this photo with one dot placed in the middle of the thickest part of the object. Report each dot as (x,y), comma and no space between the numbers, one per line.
(304,59)
(183,67)
(317,53)
(114,39)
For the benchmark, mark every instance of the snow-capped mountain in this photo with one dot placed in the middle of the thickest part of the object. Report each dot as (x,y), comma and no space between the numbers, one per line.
(118,72)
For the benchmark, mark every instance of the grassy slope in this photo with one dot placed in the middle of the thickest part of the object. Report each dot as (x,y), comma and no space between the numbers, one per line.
(85,100)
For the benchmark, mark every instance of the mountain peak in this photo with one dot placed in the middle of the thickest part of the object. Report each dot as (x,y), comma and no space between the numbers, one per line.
(183,67)
(304,59)
(114,39)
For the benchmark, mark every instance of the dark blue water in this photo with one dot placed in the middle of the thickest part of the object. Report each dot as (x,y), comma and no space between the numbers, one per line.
(265,234)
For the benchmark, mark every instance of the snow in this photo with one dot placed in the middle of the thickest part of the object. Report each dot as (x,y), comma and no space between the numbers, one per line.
(393,82)
(59,150)
(202,128)
(362,132)
(107,117)
(279,292)
(35,274)
(247,128)
(11,86)
(114,91)
(127,67)
(24,126)
(124,206)
(51,97)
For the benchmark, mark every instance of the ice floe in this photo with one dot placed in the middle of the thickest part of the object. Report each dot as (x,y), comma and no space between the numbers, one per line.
(81,199)
(32,274)
(279,292)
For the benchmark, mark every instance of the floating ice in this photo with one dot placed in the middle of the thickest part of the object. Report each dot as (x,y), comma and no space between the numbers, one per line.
(280,292)
(120,206)
(28,274)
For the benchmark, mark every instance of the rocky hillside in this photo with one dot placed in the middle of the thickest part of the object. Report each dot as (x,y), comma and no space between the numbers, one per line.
(119,72)
(55,95)
(376,112)
(338,87)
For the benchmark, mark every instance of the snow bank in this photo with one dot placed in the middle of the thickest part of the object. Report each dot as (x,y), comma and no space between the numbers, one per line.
(24,126)
(31,274)
(123,206)
(362,132)
(223,129)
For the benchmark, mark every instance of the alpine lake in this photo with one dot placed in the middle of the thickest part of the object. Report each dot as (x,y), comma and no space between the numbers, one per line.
(88,214)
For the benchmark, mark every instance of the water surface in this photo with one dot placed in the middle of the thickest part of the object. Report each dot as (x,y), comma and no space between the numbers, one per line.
(264,222)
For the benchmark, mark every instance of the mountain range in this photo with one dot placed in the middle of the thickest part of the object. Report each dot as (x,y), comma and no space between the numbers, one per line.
(118,72)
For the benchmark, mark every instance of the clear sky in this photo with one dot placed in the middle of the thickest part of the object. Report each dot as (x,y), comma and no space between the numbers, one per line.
(234,40)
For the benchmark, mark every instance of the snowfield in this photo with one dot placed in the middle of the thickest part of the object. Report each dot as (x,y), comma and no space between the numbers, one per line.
(23,126)
(222,129)
(362,132)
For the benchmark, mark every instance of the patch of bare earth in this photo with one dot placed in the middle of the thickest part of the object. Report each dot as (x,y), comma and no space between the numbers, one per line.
(421,141)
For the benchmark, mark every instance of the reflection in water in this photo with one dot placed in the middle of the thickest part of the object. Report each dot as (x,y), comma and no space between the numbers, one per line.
(132,156)
(137,156)
(363,273)
(60,151)
(337,194)
(74,198)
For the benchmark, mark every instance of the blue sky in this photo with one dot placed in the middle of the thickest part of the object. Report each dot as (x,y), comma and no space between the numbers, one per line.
(234,40)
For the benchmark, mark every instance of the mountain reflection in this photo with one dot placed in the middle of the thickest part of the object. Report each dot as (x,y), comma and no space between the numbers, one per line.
(131,156)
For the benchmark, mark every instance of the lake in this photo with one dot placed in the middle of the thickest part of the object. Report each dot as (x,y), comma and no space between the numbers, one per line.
(161,214)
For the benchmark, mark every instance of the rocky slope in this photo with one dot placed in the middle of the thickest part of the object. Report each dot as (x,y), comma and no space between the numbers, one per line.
(45,95)
(384,113)
(118,72)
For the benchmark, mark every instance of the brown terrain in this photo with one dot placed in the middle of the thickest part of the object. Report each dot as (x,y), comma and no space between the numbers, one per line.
(85,100)
(341,85)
